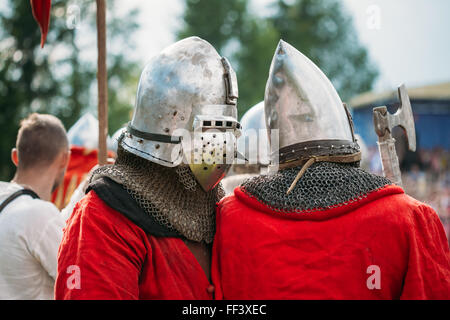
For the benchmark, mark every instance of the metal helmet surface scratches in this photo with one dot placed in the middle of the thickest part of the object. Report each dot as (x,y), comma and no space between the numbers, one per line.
(303,105)
(185,92)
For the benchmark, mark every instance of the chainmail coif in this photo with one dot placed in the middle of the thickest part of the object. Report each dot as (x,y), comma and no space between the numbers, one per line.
(323,186)
(170,195)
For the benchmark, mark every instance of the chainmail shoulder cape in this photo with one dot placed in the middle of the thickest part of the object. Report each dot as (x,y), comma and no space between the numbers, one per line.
(323,186)
(116,196)
(171,196)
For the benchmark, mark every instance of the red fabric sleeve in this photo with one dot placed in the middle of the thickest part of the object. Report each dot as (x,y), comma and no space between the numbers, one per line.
(428,272)
(107,249)
(271,256)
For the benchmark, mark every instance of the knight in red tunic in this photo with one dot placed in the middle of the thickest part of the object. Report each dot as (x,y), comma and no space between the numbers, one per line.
(321,227)
(144,230)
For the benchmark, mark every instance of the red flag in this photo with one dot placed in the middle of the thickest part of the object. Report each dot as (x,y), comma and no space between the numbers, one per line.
(41,13)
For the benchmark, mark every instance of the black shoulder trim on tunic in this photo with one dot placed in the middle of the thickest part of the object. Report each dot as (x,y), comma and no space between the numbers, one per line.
(116,197)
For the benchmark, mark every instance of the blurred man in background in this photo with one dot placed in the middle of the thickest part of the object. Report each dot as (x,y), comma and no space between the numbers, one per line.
(30,225)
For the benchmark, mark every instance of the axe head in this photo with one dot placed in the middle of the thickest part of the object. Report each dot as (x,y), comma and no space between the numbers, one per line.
(385,122)
(404,118)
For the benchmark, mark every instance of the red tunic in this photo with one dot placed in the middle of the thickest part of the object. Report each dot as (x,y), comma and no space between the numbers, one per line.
(118,260)
(385,246)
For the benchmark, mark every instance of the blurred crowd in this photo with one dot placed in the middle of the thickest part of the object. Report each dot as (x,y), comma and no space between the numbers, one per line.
(426,177)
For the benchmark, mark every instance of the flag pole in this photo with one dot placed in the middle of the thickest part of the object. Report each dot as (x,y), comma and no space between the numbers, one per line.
(102,83)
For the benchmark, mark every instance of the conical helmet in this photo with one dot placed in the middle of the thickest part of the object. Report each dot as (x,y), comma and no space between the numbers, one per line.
(302,104)
(187,88)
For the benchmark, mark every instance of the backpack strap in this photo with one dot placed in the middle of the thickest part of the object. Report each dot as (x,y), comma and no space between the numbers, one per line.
(17,194)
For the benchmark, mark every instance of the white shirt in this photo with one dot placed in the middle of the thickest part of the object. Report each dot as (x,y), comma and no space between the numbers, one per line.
(30,233)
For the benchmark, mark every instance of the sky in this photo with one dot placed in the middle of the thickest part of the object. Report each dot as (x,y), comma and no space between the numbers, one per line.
(409,40)
(412,44)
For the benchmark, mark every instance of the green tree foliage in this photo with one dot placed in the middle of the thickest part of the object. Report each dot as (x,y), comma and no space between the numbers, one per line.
(321,29)
(60,79)
(216,21)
